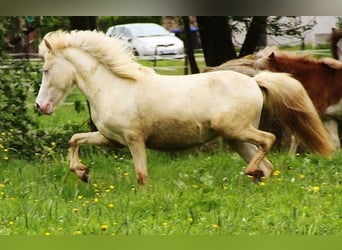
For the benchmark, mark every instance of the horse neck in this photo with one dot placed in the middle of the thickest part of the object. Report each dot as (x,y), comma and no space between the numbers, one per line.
(88,71)
(292,66)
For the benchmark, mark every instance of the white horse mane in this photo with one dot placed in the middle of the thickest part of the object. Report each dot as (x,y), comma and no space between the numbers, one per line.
(111,52)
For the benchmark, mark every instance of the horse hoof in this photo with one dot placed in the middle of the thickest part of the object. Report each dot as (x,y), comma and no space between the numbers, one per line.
(82,174)
(85,176)
(256,175)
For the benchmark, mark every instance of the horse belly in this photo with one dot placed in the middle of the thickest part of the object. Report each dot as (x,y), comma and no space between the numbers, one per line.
(179,135)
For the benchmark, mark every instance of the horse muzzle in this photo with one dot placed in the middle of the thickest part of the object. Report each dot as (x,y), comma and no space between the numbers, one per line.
(46,108)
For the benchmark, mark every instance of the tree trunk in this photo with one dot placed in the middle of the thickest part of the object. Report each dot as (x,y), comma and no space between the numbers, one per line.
(255,36)
(216,39)
(85,23)
(189,46)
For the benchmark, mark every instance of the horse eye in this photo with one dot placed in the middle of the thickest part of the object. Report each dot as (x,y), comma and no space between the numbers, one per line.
(45,71)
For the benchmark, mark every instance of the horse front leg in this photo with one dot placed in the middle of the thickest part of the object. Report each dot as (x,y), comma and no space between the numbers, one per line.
(96,138)
(136,145)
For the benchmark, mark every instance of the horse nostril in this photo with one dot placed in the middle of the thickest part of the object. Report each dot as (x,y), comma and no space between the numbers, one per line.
(37,106)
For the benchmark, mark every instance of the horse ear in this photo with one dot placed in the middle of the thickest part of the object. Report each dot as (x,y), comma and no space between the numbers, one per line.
(48,45)
(272,55)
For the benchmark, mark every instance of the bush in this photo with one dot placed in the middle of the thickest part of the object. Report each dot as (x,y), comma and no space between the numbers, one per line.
(19,134)
(16,126)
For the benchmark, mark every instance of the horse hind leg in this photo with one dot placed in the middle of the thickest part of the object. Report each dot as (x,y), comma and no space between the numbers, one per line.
(247,151)
(258,165)
(263,141)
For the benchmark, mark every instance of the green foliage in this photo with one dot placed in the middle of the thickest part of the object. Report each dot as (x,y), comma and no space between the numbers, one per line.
(51,23)
(20,136)
(339,22)
(16,79)
(9,27)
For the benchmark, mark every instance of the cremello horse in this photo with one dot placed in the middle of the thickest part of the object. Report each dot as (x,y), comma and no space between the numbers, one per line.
(134,106)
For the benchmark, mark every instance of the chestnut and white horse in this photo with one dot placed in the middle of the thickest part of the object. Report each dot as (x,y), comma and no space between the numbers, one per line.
(134,106)
(321,78)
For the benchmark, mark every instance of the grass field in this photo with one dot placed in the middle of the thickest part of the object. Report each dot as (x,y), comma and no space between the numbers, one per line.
(199,192)
(194,193)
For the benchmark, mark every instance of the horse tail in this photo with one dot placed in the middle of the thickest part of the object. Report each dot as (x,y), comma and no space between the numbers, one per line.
(286,99)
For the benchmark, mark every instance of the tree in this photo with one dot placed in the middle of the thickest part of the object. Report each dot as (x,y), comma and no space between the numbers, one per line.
(216,38)
(189,46)
(254,35)
(83,22)
(216,33)
(8,30)
(290,26)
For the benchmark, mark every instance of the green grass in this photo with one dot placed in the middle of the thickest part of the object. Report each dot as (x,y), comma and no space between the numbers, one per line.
(194,193)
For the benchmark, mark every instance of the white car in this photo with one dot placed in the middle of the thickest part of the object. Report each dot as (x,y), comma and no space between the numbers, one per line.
(149,40)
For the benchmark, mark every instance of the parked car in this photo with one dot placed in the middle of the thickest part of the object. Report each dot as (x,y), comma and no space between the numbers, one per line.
(149,40)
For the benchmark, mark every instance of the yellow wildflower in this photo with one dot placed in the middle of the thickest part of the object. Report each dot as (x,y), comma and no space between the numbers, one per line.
(276,173)
(315,189)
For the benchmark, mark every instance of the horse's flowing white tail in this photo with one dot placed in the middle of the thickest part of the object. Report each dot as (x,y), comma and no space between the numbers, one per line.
(286,99)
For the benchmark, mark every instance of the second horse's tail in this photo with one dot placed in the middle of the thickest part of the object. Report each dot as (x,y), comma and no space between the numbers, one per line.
(286,99)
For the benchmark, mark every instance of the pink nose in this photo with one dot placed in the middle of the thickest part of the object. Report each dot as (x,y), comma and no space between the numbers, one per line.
(45,108)
(37,106)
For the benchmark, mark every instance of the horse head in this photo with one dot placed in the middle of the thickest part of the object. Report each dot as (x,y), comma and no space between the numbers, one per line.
(57,80)
(264,57)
